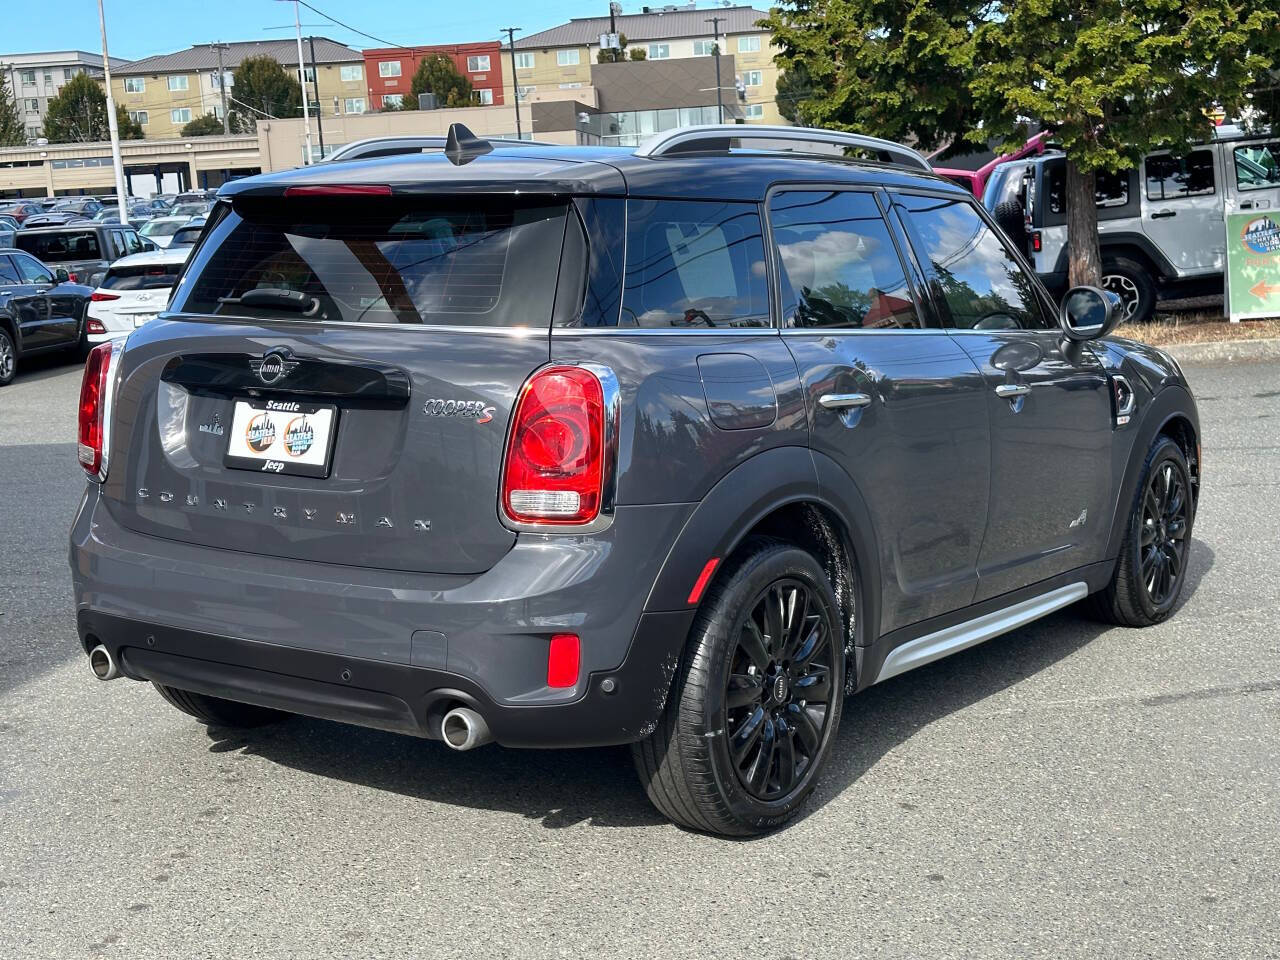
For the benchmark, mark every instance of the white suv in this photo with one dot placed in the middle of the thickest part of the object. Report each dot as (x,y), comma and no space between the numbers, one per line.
(1161,226)
(133,291)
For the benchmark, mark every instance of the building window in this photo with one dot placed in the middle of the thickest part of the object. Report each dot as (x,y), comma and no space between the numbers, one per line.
(752,78)
(659,51)
(139,117)
(29,76)
(33,132)
(753,111)
(395,100)
(33,106)
(177,83)
(483,97)
(477,64)
(351,73)
(570,86)
(749,44)
(524,61)
(181,115)
(567,58)
(135,84)
(67,73)
(353,105)
(309,75)
(389,68)
(217,111)
(704,48)
(228,79)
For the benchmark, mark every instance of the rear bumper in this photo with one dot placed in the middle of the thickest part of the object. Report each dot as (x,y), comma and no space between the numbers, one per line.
(283,633)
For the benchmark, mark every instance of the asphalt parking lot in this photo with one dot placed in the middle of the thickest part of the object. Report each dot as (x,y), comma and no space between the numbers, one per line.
(1063,791)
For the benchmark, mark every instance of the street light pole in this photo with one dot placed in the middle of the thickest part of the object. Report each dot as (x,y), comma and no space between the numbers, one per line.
(715,28)
(116,162)
(515,84)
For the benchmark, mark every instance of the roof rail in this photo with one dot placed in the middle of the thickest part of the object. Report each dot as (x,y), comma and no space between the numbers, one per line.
(717,136)
(410,143)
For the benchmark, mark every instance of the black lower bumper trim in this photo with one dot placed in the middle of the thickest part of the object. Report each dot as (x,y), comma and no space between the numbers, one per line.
(397,697)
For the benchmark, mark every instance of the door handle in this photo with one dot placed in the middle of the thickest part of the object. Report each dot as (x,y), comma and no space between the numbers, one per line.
(843,401)
(1164,214)
(1008,391)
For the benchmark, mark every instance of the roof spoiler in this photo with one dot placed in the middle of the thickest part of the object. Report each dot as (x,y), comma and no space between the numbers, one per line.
(462,146)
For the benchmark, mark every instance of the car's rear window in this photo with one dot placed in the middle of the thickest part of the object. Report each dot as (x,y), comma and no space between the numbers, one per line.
(462,260)
(185,237)
(151,276)
(162,229)
(61,247)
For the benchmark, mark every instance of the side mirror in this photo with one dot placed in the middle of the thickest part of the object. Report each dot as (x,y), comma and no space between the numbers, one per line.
(61,276)
(1088,313)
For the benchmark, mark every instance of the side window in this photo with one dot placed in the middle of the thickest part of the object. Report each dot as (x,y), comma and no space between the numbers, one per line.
(32,270)
(1172,178)
(839,266)
(8,272)
(1110,189)
(117,245)
(1257,166)
(980,284)
(694,263)
(131,242)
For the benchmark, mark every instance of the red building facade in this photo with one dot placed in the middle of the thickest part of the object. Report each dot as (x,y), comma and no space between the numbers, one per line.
(390,70)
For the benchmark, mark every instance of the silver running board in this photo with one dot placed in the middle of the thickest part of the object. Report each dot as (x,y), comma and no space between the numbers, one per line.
(942,643)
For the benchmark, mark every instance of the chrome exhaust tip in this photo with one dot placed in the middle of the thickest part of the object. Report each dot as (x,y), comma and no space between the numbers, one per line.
(463,729)
(103,664)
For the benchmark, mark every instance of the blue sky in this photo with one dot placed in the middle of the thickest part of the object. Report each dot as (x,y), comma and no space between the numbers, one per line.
(142,28)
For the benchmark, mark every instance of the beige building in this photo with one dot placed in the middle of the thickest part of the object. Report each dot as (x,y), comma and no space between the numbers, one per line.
(561,58)
(166,92)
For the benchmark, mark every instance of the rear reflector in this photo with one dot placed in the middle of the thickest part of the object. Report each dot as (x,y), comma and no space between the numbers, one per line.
(340,190)
(700,585)
(93,401)
(95,326)
(563,659)
(98,296)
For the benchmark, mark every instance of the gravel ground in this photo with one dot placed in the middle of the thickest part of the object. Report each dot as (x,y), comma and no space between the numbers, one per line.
(1065,791)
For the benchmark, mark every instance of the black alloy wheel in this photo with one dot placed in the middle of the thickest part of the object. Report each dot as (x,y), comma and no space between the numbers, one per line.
(1163,532)
(778,696)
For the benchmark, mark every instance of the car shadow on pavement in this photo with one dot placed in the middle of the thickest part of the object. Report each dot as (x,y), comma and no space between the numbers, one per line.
(598,787)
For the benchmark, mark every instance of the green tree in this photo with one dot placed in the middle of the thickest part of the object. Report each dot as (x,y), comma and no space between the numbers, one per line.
(205,126)
(78,114)
(12,131)
(438,75)
(639,53)
(893,68)
(794,87)
(1116,79)
(262,89)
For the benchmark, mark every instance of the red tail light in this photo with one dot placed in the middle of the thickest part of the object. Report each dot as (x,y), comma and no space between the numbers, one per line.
(340,190)
(98,296)
(563,659)
(72,278)
(95,326)
(93,399)
(1036,242)
(555,467)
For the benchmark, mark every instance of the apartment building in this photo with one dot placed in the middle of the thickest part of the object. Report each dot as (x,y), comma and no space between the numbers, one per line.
(166,92)
(561,58)
(390,70)
(34,78)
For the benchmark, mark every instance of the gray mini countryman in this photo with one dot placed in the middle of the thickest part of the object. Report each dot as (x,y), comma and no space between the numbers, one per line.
(675,446)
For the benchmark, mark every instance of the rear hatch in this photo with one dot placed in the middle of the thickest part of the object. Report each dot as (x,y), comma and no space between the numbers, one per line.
(336,378)
(75,249)
(141,290)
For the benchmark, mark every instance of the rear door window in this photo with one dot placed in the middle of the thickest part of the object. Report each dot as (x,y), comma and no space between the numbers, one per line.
(1110,189)
(1171,178)
(1257,166)
(61,247)
(8,272)
(30,271)
(151,276)
(694,264)
(470,261)
(980,284)
(839,265)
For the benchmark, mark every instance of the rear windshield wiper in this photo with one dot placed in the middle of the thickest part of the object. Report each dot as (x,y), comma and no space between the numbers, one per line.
(273,298)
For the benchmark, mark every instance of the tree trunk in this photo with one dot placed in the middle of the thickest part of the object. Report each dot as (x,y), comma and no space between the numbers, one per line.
(1084,257)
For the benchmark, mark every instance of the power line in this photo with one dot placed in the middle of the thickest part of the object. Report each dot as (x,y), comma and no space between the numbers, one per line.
(347,26)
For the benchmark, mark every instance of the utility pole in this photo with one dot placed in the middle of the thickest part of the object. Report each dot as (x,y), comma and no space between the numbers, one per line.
(222,86)
(315,85)
(121,197)
(302,83)
(515,84)
(715,28)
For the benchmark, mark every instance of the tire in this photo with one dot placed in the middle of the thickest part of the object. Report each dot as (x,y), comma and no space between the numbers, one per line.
(8,358)
(217,712)
(1010,218)
(1132,282)
(1137,595)
(726,704)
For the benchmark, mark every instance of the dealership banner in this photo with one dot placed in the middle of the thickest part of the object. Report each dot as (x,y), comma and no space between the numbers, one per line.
(1253,265)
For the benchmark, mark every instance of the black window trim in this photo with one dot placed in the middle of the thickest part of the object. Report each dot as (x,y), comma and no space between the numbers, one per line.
(877,191)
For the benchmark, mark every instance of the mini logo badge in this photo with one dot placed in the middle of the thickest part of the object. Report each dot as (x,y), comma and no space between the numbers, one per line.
(260,434)
(274,366)
(299,435)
